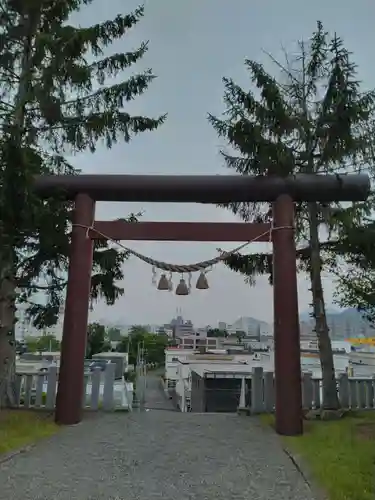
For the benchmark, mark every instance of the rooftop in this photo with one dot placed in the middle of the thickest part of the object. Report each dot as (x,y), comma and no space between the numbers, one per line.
(231,368)
(210,357)
(180,350)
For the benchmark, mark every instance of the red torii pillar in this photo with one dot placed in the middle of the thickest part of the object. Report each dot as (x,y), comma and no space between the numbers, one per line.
(73,346)
(288,394)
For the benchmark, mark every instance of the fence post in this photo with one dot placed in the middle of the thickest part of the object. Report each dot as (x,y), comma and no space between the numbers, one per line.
(353,394)
(242,403)
(369,392)
(51,387)
(361,393)
(316,393)
(128,395)
(269,392)
(95,388)
(39,390)
(109,387)
(344,390)
(28,389)
(257,402)
(183,401)
(307,391)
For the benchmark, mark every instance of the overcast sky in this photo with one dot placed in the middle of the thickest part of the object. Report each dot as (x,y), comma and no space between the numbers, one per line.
(193,44)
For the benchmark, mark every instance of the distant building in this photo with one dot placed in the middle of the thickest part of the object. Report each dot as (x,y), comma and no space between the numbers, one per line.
(210,382)
(202,332)
(180,327)
(194,341)
(151,328)
(161,330)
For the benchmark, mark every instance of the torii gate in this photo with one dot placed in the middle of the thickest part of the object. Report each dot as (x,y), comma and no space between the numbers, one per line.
(282,192)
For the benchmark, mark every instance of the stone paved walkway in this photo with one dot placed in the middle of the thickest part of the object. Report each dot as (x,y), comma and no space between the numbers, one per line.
(156,454)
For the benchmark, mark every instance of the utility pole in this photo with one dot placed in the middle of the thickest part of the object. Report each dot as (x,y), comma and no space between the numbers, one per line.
(141,376)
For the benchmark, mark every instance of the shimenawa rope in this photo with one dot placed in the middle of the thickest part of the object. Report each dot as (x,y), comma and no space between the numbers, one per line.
(182,268)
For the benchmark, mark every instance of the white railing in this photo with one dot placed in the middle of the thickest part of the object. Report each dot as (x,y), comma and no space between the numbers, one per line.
(354,393)
(101,390)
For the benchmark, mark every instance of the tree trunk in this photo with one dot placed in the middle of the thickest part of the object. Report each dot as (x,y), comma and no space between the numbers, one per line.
(330,397)
(7,343)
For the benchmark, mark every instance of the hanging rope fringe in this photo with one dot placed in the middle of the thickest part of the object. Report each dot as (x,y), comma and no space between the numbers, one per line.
(181,268)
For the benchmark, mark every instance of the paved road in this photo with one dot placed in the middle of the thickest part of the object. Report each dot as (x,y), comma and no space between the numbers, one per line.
(156,455)
(155,397)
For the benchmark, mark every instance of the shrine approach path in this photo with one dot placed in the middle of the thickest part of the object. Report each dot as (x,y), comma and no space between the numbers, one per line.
(156,454)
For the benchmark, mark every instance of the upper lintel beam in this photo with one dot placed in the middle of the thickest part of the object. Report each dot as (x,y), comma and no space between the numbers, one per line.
(181,231)
(206,188)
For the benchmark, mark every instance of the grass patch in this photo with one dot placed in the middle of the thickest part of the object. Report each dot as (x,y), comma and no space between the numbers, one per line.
(22,428)
(340,454)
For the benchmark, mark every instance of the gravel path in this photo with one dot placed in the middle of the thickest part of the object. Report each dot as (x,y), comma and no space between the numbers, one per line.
(156,454)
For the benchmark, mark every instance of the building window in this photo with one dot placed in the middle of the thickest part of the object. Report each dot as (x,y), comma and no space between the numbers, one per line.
(174,360)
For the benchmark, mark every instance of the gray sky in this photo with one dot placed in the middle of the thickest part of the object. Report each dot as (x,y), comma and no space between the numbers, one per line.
(193,44)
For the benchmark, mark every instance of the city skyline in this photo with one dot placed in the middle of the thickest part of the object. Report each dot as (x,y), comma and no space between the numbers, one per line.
(342,322)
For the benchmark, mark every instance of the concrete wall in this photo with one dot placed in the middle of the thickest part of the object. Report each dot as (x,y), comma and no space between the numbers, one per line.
(222,395)
(217,395)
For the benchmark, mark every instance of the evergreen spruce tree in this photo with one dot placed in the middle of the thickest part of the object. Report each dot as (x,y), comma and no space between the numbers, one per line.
(356,277)
(312,119)
(57,98)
